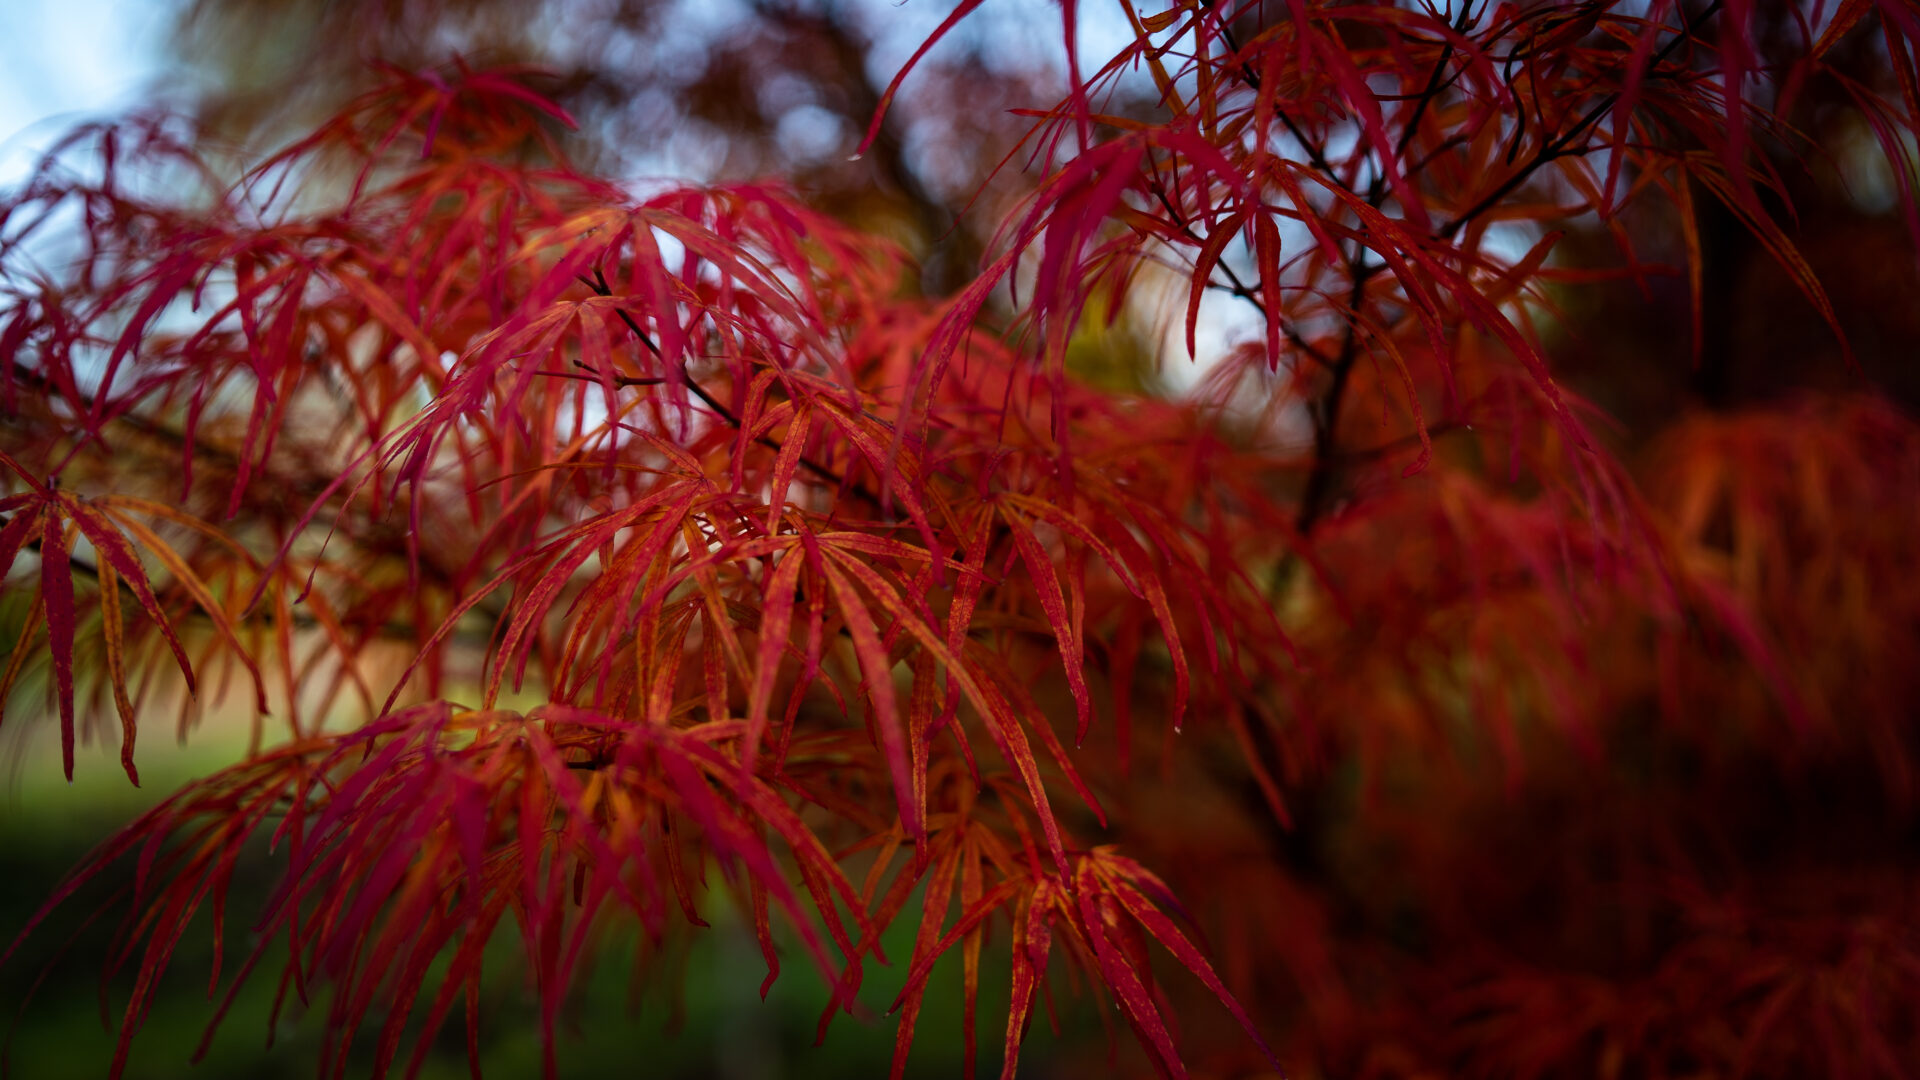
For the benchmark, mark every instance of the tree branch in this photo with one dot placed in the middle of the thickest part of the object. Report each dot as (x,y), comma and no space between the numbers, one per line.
(598,283)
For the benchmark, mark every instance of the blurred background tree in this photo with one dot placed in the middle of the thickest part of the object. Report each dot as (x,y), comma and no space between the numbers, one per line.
(716,91)
(744,89)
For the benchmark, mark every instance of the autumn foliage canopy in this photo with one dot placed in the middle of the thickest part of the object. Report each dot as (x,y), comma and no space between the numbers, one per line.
(595,555)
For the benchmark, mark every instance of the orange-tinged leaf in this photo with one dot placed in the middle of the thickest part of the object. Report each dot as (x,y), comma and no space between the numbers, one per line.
(19,529)
(1136,1003)
(1032,941)
(877,671)
(1774,239)
(1204,261)
(1266,254)
(119,555)
(991,901)
(1081,531)
(1696,262)
(975,685)
(1158,22)
(56,591)
(1165,931)
(215,611)
(787,462)
(1047,587)
(111,631)
(961,11)
(776,623)
(937,897)
(1849,14)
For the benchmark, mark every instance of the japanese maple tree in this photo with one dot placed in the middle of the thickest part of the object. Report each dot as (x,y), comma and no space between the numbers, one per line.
(588,554)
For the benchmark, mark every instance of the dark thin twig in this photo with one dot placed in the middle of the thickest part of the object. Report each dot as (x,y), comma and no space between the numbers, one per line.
(390,630)
(1563,145)
(594,374)
(1316,154)
(270,481)
(599,285)
(1394,446)
(1326,413)
(1426,99)
(1315,498)
(1235,286)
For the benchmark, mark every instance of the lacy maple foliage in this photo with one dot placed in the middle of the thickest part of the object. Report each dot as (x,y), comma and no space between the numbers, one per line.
(579,543)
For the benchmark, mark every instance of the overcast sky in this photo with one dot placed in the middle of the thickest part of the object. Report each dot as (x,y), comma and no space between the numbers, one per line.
(64,61)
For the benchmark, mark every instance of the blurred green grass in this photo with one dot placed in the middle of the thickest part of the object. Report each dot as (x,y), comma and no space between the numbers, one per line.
(704,1020)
